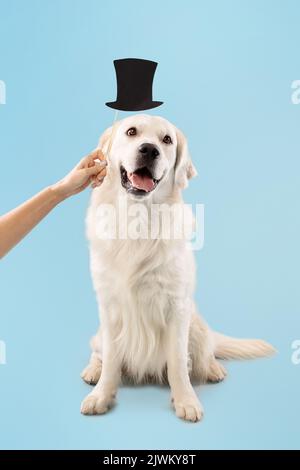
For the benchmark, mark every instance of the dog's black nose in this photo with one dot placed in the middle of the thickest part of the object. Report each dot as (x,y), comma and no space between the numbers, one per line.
(148,151)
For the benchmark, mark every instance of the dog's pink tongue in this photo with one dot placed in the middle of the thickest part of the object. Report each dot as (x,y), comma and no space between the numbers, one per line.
(143,182)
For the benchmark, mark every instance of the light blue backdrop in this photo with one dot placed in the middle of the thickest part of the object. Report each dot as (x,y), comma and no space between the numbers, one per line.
(225,73)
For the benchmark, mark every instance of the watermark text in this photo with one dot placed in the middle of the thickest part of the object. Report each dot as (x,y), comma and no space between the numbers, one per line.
(2,92)
(295,96)
(2,352)
(136,221)
(295,358)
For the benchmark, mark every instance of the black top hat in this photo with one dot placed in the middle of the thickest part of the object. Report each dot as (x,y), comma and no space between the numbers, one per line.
(134,81)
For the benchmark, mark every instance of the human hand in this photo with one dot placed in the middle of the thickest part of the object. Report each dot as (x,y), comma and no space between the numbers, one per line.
(90,171)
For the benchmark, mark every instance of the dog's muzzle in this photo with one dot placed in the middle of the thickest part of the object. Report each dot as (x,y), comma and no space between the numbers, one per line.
(139,182)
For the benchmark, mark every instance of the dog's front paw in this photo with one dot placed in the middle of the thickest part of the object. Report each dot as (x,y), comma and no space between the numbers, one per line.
(97,404)
(189,409)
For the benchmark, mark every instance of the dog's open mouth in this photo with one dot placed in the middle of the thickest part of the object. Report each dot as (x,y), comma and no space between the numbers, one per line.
(139,182)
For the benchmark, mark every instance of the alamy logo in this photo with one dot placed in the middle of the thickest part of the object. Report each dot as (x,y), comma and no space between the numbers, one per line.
(2,352)
(2,92)
(154,222)
(295,358)
(295,96)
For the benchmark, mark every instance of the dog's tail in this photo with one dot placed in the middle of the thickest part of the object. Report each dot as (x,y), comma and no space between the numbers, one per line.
(233,348)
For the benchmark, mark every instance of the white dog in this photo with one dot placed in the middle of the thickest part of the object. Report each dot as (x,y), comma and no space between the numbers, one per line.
(150,329)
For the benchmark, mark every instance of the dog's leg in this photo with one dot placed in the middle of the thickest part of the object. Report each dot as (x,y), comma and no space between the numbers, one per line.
(184,398)
(102,397)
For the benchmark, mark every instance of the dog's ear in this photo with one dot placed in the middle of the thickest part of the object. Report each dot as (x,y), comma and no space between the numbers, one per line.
(184,168)
(105,139)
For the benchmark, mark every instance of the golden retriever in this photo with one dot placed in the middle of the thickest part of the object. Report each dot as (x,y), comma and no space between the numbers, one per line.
(150,329)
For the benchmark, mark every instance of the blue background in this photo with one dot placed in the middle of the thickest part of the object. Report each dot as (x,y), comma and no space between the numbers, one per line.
(225,73)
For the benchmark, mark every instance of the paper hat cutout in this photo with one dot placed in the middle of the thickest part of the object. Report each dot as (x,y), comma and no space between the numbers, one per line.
(134,82)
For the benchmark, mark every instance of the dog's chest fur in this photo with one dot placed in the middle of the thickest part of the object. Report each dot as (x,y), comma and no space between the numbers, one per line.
(137,291)
(139,284)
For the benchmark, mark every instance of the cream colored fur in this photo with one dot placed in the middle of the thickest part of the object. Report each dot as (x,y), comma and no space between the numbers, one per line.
(150,329)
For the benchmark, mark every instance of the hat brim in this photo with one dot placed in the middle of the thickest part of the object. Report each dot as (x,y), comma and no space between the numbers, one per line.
(141,107)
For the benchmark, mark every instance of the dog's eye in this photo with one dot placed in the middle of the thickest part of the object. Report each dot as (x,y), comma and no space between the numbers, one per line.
(167,139)
(131,131)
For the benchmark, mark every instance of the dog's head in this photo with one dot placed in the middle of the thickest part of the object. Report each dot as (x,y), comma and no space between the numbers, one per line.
(149,154)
